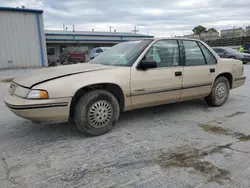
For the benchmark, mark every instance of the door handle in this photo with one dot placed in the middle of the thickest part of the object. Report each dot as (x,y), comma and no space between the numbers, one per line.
(212,70)
(179,73)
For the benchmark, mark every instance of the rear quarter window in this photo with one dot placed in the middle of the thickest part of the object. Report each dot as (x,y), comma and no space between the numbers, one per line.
(210,59)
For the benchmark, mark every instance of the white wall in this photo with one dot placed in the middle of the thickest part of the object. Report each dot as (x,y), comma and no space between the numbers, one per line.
(19,40)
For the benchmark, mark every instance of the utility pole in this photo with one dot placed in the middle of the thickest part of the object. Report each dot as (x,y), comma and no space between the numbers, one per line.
(63,27)
(110,29)
(135,30)
(73,28)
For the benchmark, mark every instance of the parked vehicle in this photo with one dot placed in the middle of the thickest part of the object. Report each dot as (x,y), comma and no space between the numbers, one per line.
(97,51)
(72,54)
(247,51)
(226,52)
(128,76)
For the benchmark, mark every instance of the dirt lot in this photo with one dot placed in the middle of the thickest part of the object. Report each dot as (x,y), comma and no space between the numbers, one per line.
(178,145)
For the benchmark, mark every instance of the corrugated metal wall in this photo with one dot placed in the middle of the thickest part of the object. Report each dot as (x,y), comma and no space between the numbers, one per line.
(19,40)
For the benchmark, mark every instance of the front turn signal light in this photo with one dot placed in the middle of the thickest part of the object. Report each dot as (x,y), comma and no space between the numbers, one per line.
(38,94)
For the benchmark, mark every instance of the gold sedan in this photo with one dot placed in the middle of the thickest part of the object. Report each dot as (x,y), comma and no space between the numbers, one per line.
(130,75)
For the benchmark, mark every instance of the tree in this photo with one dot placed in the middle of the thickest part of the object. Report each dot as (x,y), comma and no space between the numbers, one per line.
(199,29)
(211,30)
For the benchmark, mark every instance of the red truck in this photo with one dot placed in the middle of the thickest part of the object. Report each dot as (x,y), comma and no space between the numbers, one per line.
(72,54)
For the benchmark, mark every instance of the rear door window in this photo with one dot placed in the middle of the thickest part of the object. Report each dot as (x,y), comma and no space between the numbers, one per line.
(193,54)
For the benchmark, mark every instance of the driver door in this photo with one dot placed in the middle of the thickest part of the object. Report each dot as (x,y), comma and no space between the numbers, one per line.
(158,85)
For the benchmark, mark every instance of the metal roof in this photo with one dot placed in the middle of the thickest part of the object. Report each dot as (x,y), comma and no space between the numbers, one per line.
(95,34)
(20,9)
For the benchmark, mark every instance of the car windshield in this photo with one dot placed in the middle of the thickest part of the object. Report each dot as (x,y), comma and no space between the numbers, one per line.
(122,54)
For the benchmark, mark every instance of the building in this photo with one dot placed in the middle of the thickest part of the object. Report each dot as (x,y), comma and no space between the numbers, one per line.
(232,33)
(58,40)
(22,38)
(210,36)
(25,44)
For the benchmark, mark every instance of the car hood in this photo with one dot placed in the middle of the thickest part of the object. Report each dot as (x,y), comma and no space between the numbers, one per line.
(46,74)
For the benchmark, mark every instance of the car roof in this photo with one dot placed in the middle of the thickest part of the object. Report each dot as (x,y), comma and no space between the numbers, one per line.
(173,38)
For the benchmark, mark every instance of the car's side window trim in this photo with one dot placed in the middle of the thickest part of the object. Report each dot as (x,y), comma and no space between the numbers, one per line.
(202,52)
(182,53)
(199,44)
(179,48)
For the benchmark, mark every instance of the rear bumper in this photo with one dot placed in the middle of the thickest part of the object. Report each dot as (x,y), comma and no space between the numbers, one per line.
(42,110)
(240,81)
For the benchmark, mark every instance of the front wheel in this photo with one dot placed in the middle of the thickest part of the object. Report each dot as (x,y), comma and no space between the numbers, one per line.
(220,92)
(96,112)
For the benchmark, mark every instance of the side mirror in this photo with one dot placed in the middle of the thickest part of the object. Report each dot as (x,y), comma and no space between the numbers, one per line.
(146,64)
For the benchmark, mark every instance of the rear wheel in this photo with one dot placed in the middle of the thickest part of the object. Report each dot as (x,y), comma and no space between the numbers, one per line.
(96,112)
(220,92)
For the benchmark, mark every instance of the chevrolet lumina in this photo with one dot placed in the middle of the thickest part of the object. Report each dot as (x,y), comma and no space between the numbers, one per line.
(128,76)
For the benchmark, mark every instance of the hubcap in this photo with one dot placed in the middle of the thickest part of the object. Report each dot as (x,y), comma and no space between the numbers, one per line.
(221,91)
(100,114)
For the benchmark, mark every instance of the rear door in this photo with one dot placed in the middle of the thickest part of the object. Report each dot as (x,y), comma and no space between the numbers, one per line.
(199,70)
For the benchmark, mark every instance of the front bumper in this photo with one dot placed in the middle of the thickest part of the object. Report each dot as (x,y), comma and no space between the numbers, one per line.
(240,81)
(41,110)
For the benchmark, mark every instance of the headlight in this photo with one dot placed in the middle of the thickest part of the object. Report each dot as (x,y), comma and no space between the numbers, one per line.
(18,90)
(38,94)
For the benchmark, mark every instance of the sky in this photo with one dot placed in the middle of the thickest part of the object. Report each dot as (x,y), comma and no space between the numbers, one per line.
(155,17)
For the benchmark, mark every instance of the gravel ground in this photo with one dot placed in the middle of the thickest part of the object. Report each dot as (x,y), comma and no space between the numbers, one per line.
(178,145)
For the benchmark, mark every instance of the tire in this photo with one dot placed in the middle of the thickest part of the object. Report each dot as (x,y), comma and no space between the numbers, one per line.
(217,97)
(87,110)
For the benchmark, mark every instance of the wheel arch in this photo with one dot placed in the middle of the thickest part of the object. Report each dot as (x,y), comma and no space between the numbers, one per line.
(227,75)
(110,87)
